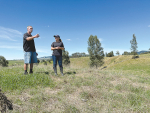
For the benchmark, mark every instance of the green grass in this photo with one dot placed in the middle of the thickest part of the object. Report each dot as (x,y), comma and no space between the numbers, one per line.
(14,79)
(122,87)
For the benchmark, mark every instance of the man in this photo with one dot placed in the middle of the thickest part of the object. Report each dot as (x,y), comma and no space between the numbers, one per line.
(30,55)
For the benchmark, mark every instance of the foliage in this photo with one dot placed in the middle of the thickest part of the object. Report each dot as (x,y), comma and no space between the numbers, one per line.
(110,54)
(65,57)
(77,54)
(126,53)
(49,60)
(134,45)
(44,61)
(38,61)
(96,52)
(117,53)
(3,61)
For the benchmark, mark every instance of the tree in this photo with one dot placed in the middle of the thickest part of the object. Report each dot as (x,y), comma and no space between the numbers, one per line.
(3,61)
(110,54)
(126,53)
(96,52)
(134,45)
(65,58)
(106,54)
(117,53)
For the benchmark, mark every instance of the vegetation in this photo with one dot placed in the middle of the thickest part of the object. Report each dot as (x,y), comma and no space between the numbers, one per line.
(110,54)
(3,61)
(96,52)
(121,87)
(65,58)
(77,54)
(134,45)
(117,53)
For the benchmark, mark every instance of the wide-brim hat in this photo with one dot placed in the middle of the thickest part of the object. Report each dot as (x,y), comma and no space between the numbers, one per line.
(56,36)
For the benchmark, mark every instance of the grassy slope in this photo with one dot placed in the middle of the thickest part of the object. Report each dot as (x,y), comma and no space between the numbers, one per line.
(122,87)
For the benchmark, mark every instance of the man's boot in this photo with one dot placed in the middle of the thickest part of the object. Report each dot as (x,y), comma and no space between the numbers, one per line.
(55,70)
(61,70)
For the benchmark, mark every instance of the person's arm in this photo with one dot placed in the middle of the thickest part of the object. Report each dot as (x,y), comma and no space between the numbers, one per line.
(62,48)
(53,48)
(31,38)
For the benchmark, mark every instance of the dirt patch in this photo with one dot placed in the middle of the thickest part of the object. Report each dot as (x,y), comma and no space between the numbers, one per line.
(4,103)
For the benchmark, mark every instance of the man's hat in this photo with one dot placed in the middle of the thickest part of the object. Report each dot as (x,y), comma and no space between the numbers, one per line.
(56,36)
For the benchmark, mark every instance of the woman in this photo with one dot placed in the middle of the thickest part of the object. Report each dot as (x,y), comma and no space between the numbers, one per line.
(57,48)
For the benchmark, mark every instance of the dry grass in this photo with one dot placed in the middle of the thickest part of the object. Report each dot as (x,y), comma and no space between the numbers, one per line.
(85,90)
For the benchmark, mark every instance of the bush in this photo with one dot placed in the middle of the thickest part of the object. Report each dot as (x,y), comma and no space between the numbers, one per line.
(3,61)
(134,57)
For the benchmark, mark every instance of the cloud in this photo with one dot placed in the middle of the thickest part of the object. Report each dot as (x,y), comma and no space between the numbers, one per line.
(148,25)
(48,25)
(69,39)
(11,47)
(9,34)
(7,37)
(100,39)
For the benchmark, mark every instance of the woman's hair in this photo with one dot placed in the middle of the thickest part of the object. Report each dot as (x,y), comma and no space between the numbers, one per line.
(60,40)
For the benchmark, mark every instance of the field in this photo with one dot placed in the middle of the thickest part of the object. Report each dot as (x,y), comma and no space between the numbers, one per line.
(122,87)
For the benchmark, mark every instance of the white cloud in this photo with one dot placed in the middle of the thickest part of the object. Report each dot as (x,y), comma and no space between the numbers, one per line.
(11,47)
(7,37)
(69,39)
(48,25)
(9,34)
(100,39)
(148,25)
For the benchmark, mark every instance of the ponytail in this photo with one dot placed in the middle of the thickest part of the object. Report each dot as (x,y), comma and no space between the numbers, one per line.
(60,40)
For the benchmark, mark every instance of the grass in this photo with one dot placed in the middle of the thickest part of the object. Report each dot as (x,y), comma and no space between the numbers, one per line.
(122,87)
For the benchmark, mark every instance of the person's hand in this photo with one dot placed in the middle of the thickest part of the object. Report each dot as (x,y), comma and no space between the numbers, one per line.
(57,47)
(36,54)
(37,35)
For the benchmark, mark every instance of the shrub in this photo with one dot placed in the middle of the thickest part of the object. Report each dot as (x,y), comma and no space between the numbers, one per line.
(3,61)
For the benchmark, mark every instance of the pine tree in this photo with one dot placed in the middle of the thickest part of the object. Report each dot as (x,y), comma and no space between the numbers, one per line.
(134,45)
(96,52)
(65,58)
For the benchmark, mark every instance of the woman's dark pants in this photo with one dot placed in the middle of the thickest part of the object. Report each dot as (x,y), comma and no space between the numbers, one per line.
(59,60)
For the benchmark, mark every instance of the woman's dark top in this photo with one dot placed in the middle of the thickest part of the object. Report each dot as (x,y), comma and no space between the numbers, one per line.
(57,52)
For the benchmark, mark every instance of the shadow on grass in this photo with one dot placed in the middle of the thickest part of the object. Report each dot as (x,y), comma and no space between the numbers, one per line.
(69,73)
(44,72)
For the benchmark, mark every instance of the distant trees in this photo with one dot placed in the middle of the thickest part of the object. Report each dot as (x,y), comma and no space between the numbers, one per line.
(77,54)
(117,53)
(3,61)
(95,51)
(65,57)
(126,53)
(110,54)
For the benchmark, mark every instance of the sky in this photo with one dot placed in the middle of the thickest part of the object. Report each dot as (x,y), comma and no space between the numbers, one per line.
(113,21)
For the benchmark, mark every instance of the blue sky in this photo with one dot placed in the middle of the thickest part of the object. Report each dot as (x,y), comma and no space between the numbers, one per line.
(113,21)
